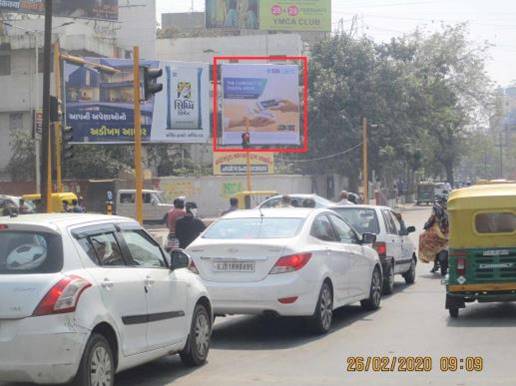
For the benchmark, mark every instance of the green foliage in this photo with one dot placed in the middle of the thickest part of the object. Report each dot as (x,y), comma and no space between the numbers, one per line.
(424,95)
(22,165)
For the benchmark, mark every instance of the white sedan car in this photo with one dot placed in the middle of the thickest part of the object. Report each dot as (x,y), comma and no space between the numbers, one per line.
(85,296)
(396,250)
(290,262)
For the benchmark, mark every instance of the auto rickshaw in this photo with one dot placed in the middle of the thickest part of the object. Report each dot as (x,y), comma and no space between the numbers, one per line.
(251,199)
(482,245)
(425,193)
(58,200)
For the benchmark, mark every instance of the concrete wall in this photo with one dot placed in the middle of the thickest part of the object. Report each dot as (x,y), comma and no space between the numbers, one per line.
(204,49)
(212,194)
(138,26)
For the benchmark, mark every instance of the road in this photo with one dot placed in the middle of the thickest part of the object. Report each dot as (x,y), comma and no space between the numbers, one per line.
(411,322)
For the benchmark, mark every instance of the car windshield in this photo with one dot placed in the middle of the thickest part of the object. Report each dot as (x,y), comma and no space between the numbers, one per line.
(29,253)
(254,228)
(362,219)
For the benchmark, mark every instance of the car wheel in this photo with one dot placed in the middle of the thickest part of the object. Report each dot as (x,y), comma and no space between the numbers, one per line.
(454,312)
(375,293)
(323,315)
(97,367)
(410,275)
(197,346)
(388,281)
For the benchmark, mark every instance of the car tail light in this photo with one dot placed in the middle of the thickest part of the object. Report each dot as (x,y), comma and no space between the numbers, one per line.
(461,266)
(192,267)
(62,297)
(381,248)
(291,263)
(3,227)
(289,300)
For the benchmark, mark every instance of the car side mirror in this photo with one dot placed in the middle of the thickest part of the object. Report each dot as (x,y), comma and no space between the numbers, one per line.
(368,238)
(411,229)
(179,259)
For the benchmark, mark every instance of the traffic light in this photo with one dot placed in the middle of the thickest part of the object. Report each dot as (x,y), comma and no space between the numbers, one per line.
(67,137)
(150,82)
(246,140)
(54,109)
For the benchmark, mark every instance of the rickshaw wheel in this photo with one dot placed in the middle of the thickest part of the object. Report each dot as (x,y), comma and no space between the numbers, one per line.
(454,312)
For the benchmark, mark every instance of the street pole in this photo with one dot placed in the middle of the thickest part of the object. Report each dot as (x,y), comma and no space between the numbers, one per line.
(46,170)
(138,137)
(365,170)
(248,152)
(57,125)
(37,142)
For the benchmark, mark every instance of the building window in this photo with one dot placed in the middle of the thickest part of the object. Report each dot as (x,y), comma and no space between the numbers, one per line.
(5,63)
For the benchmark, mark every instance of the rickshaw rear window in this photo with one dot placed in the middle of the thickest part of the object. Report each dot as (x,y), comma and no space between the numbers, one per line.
(496,222)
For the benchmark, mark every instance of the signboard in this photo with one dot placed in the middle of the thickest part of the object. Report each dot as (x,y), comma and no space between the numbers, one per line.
(87,9)
(277,15)
(37,118)
(262,99)
(99,104)
(230,164)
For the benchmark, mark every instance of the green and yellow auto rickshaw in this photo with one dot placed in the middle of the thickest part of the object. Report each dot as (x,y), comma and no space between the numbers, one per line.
(482,245)
(425,193)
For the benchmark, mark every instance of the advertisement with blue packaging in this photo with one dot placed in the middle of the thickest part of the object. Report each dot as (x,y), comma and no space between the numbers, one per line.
(262,99)
(99,103)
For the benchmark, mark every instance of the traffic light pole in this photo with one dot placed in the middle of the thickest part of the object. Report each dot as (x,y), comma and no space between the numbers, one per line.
(57,125)
(249,171)
(138,137)
(46,169)
(365,171)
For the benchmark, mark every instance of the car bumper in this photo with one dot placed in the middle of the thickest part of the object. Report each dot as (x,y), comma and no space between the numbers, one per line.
(263,296)
(45,349)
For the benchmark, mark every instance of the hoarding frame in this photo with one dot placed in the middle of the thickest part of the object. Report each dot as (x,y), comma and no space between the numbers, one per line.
(218,149)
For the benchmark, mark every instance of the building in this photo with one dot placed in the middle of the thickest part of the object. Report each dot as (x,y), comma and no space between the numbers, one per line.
(22,37)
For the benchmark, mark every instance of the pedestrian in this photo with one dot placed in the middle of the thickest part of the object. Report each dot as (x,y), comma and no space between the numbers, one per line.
(233,205)
(344,195)
(286,202)
(176,213)
(77,207)
(189,227)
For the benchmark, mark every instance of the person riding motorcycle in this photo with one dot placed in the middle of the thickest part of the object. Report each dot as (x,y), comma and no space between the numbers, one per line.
(433,243)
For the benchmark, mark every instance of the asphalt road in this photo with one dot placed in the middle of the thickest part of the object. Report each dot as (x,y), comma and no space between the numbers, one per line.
(411,322)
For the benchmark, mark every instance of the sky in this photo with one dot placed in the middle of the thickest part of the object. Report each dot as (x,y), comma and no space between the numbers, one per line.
(489,20)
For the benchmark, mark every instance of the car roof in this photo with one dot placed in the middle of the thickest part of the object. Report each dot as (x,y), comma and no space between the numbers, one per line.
(274,213)
(60,220)
(360,206)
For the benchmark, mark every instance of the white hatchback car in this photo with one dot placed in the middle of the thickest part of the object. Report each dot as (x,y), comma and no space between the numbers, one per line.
(290,262)
(393,244)
(85,296)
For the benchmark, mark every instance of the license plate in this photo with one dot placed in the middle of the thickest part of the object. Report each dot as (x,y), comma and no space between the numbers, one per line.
(233,266)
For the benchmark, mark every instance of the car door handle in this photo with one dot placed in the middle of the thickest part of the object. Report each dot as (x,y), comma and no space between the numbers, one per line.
(107,284)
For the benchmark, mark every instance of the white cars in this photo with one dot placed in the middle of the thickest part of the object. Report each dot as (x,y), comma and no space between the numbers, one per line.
(297,201)
(290,262)
(85,296)
(393,244)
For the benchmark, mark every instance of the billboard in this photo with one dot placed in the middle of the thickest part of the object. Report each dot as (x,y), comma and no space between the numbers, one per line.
(99,104)
(276,15)
(231,164)
(88,9)
(262,99)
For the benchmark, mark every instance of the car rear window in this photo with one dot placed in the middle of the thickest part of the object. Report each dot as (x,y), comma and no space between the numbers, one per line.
(364,220)
(30,253)
(496,222)
(254,228)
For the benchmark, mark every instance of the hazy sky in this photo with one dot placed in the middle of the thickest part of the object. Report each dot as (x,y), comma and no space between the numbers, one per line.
(490,20)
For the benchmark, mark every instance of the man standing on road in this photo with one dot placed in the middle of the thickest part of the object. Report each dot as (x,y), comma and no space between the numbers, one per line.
(344,198)
(189,227)
(176,213)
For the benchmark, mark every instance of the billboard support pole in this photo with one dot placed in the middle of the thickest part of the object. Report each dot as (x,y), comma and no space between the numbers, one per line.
(46,164)
(249,171)
(366,162)
(138,137)
(57,125)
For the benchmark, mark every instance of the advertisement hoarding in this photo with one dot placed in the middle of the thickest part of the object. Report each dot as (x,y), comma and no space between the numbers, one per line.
(231,164)
(88,9)
(262,99)
(276,15)
(99,104)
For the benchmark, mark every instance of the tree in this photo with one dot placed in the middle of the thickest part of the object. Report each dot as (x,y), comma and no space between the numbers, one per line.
(22,165)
